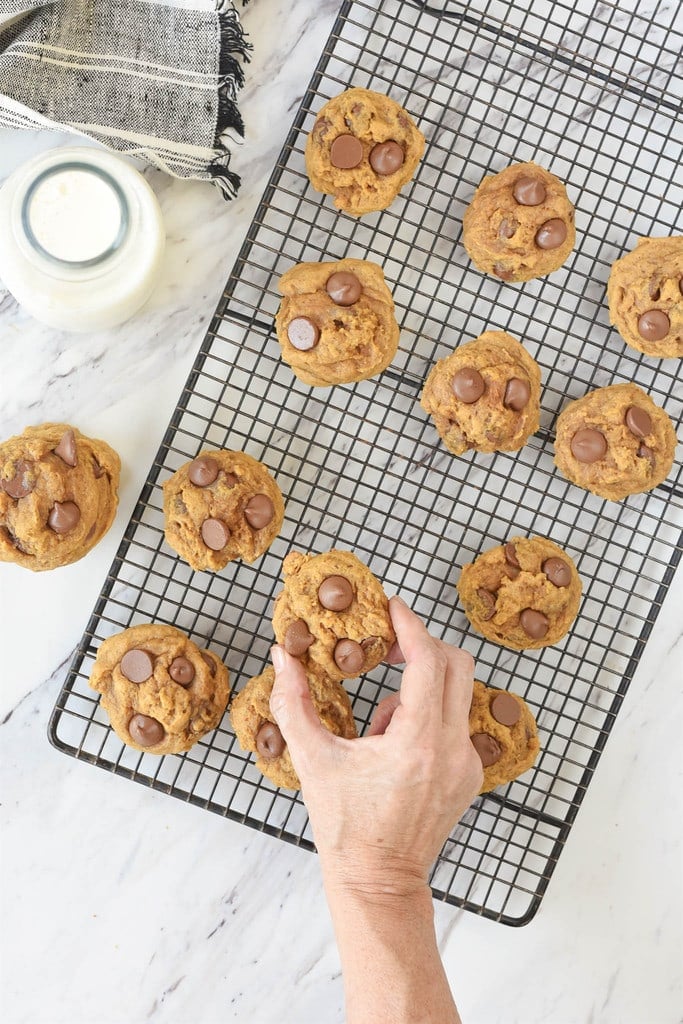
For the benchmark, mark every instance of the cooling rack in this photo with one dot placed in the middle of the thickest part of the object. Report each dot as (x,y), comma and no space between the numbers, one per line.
(597,100)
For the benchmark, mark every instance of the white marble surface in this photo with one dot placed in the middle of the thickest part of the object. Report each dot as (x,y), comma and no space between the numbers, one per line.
(122,905)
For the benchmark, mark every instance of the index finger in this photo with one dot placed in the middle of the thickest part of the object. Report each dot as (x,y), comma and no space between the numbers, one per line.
(422,685)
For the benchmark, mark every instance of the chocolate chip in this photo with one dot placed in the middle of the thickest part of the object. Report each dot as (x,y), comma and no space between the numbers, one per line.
(552,234)
(468,385)
(488,601)
(146,731)
(181,670)
(368,644)
(505,709)
(349,657)
(344,288)
(680,285)
(97,469)
(321,128)
(654,325)
(557,571)
(66,449)
(137,665)
(655,291)
(303,334)
(535,624)
(215,534)
(501,271)
(646,453)
(588,445)
(386,158)
(507,228)
(64,516)
(203,471)
(487,747)
(209,662)
(230,480)
(529,191)
(269,741)
(20,485)
(638,421)
(259,511)
(517,394)
(297,638)
(511,555)
(335,593)
(346,152)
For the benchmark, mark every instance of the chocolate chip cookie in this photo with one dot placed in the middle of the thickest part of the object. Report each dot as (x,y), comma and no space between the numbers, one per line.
(503,733)
(362,149)
(336,322)
(645,295)
(58,495)
(161,692)
(524,594)
(333,614)
(520,224)
(614,442)
(258,733)
(221,506)
(485,395)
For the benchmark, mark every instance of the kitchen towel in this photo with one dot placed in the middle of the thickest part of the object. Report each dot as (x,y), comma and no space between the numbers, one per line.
(149,80)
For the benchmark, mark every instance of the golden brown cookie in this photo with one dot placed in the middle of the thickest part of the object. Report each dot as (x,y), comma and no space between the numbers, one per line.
(221,506)
(161,692)
(614,442)
(520,224)
(362,149)
(504,734)
(645,294)
(258,733)
(58,495)
(333,614)
(523,594)
(485,395)
(336,322)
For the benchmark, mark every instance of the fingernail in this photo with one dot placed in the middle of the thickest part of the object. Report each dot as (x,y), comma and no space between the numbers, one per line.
(399,599)
(278,656)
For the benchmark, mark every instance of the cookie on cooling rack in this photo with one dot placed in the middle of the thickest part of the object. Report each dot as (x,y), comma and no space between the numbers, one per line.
(336,322)
(258,733)
(333,614)
(58,495)
(524,594)
(221,506)
(162,693)
(520,224)
(614,442)
(503,732)
(362,149)
(485,395)
(645,295)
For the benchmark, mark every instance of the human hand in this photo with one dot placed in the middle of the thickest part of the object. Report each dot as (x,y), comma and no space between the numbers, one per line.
(381,807)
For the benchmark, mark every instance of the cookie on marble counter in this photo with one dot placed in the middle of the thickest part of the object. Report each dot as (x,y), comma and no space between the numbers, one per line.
(520,224)
(221,506)
(645,295)
(524,594)
(161,691)
(258,733)
(333,614)
(614,442)
(504,734)
(486,395)
(58,495)
(362,149)
(336,321)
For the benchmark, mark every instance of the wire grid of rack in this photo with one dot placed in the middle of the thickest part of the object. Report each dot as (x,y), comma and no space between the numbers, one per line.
(361,465)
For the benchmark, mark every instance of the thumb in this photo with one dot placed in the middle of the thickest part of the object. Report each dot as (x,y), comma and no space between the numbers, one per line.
(292,708)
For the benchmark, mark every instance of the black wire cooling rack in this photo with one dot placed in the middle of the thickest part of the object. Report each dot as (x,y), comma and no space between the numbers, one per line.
(598,101)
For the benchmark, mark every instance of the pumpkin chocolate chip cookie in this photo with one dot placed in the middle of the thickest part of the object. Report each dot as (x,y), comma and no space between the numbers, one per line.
(645,295)
(614,442)
(333,614)
(485,395)
(524,594)
(58,495)
(362,149)
(336,322)
(520,224)
(503,732)
(257,731)
(162,693)
(221,506)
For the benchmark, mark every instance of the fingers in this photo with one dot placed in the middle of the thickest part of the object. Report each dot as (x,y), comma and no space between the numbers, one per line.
(395,655)
(292,709)
(457,692)
(424,675)
(383,714)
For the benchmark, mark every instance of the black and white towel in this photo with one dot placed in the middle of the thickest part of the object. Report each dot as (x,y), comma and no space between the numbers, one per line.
(149,80)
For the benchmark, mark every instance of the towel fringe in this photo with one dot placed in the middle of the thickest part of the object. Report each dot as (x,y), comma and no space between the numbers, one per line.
(234,52)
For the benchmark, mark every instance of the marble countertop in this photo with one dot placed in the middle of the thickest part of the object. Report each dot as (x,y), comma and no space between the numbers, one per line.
(122,905)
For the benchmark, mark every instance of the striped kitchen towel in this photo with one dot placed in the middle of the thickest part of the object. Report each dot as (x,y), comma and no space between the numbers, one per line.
(149,80)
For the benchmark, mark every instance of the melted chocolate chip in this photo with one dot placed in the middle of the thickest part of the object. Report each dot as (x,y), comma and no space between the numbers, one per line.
(654,325)
(321,128)
(346,152)
(557,571)
(588,445)
(269,741)
(64,516)
(181,670)
(501,271)
(488,601)
(505,709)
(638,421)
(386,158)
(259,511)
(215,534)
(66,449)
(146,731)
(517,394)
(335,593)
(552,234)
(303,334)
(646,453)
(209,662)
(535,624)
(511,555)
(529,191)
(349,657)
(468,385)
(137,665)
(344,288)
(20,484)
(297,638)
(487,747)
(507,228)
(203,471)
